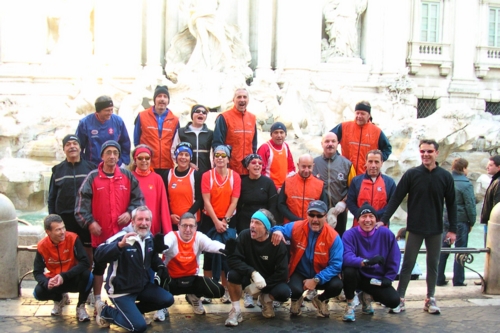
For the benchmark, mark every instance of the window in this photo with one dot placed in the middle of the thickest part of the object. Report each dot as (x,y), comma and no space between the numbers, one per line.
(426,107)
(493,108)
(494,27)
(430,22)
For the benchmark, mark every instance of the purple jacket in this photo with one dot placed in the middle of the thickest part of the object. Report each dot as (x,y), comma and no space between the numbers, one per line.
(359,245)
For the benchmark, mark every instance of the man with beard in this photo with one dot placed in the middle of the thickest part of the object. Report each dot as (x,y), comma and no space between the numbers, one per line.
(316,253)
(299,190)
(132,255)
(238,128)
(258,266)
(156,127)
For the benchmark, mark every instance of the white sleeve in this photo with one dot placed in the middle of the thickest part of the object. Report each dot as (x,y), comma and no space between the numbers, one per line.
(208,245)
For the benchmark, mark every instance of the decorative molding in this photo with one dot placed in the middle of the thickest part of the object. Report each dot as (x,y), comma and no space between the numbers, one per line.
(486,57)
(431,54)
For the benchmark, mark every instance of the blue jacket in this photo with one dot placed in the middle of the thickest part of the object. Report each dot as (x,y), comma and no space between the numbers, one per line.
(92,134)
(305,266)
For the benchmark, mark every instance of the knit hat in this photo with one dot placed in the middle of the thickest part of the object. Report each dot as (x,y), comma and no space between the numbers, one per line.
(161,90)
(225,149)
(103,102)
(249,158)
(363,107)
(183,147)
(277,126)
(366,209)
(70,137)
(317,206)
(258,215)
(196,107)
(111,143)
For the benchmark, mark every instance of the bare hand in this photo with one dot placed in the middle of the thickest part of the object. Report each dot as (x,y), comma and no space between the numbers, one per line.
(194,166)
(220,226)
(379,224)
(56,281)
(309,284)
(175,218)
(95,228)
(451,236)
(277,238)
(123,242)
(124,218)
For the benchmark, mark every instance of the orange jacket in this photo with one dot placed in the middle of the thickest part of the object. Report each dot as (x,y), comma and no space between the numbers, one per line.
(300,234)
(300,192)
(185,262)
(181,192)
(240,134)
(357,141)
(162,157)
(58,258)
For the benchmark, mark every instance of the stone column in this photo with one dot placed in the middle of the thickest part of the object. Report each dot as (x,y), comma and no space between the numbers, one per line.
(8,249)
(264,32)
(492,263)
(152,25)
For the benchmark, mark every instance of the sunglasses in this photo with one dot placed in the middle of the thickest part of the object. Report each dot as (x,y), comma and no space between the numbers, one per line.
(200,111)
(223,155)
(428,151)
(143,158)
(319,216)
(256,162)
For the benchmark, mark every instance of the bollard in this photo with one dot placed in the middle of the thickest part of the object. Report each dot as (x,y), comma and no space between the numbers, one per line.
(492,263)
(8,249)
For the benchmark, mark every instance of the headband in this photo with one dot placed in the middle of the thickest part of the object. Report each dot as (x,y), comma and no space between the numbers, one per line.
(258,215)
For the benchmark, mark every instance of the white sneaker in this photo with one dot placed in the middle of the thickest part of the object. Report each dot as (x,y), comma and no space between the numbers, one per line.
(159,315)
(101,322)
(430,306)
(57,309)
(234,318)
(225,299)
(196,304)
(355,300)
(248,301)
(310,294)
(81,313)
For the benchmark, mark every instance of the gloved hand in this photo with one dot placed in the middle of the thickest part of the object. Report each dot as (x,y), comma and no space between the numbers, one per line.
(258,280)
(376,260)
(229,248)
(386,282)
(162,273)
(331,218)
(159,243)
(339,208)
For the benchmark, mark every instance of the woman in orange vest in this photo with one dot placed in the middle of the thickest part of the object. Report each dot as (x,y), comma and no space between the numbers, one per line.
(220,189)
(183,185)
(152,188)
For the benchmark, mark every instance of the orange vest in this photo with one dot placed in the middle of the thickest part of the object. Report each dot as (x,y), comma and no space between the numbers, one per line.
(185,262)
(162,157)
(221,194)
(240,134)
(372,192)
(300,192)
(277,164)
(58,258)
(181,192)
(357,141)
(300,234)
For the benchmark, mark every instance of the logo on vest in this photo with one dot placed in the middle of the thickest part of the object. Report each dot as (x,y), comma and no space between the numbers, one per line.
(264,257)
(94,132)
(174,185)
(110,131)
(151,186)
(379,188)
(340,176)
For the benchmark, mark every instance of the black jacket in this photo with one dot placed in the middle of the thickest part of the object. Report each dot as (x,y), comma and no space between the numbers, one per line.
(201,143)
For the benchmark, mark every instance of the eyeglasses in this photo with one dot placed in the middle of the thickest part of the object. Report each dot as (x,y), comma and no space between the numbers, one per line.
(428,151)
(143,158)
(256,162)
(112,152)
(188,226)
(319,216)
(200,111)
(223,155)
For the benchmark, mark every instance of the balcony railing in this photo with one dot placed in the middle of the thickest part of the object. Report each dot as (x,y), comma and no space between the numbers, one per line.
(486,57)
(431,54)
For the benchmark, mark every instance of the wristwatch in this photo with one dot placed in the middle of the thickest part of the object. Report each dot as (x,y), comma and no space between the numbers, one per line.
(316,279)
(365,262)
(228,219)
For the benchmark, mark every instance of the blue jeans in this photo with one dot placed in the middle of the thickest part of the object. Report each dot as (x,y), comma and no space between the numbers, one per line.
(129,315)
(458,269)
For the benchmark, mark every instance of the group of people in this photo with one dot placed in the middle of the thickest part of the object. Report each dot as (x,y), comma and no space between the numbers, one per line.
(265,228)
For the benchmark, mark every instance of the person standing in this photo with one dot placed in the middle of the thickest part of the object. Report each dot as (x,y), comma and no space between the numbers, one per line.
(360,136)
(95,129)
(336,172)
(156,127)
(277,159)
(428,186)
(199,136)
(492,195)
(466,218)
(66,179)
(237,128)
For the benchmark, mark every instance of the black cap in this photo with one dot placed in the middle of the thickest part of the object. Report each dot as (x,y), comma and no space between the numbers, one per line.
(366,209)
(70,137)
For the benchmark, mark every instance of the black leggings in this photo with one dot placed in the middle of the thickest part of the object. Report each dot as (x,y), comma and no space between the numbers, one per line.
(200,286)
(280,291)
(331,288)
(353,280)
(81,284)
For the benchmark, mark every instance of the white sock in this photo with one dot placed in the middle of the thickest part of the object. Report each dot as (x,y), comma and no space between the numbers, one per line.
(236,306)
(97,297)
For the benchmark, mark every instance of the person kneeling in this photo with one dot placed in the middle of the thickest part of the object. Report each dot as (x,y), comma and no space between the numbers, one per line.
(258,266)
(371,263)
(132,255)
